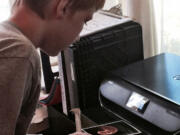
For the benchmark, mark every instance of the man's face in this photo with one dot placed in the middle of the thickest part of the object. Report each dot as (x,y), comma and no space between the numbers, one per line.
(61,33)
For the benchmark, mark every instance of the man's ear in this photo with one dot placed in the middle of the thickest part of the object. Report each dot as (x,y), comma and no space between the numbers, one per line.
(61,8)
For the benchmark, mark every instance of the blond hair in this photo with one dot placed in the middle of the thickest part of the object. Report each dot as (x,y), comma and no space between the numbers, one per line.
(38,6)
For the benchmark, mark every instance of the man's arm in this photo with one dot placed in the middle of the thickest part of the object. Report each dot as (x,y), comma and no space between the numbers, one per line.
(80,133)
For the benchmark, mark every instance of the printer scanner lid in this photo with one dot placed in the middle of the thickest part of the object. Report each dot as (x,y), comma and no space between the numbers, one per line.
(159,74)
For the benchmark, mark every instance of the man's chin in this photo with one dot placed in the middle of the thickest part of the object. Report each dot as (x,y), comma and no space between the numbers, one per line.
(53,54)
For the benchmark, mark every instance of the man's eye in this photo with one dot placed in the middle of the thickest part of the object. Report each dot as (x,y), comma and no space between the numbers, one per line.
(87,19)
(85,22)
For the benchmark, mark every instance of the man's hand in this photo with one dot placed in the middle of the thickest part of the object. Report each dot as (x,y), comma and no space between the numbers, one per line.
(79,133)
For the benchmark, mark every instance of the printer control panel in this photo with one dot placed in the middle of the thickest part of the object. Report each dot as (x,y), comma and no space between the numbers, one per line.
(137,102)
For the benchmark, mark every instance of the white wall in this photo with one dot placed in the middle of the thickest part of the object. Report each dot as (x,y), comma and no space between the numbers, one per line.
(4,10)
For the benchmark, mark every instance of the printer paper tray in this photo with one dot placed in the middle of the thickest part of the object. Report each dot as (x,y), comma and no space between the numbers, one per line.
(123,128)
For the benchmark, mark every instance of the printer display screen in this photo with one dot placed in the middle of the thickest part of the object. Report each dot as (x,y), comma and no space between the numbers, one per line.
(137,102)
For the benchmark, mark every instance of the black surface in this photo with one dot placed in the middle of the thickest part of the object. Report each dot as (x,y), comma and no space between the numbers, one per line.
(100,115)
(156,75)
(47,72)
(59,123)
(102,52)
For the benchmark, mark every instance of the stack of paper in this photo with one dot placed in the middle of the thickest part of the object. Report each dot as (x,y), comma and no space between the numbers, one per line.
(102,20)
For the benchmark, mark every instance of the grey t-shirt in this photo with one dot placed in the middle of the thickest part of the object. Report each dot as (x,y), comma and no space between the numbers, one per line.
(19,80)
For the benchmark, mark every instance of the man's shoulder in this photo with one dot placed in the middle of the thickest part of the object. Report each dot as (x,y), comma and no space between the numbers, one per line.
(14,44)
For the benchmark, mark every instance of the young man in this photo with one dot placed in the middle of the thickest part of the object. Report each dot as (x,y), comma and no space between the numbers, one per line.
(51,25)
